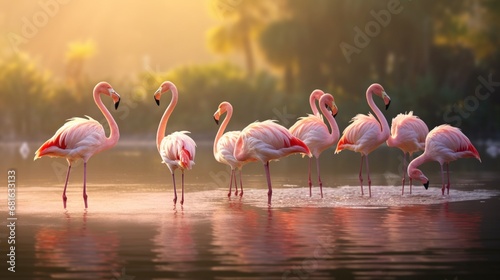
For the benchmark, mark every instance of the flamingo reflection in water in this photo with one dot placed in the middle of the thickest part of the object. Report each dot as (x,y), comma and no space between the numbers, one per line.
(77,250)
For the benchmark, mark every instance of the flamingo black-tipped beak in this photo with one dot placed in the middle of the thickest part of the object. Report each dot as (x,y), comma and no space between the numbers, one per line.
(426,185)
(387,105)
(117,104)
(216,121)
(157,101)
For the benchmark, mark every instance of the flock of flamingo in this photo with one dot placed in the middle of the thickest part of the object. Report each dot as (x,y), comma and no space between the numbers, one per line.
(80,138)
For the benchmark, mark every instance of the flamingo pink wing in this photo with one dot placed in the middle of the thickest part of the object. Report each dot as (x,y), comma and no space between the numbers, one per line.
(358,132)
(86,135)
(57,140)
(185,158)
(179,147)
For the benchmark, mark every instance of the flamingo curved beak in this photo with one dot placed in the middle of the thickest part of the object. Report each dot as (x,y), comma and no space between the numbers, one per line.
(117,103)
(333,109)
(157,96)
(426,185)
(387,99)
(217,115)
(115,96)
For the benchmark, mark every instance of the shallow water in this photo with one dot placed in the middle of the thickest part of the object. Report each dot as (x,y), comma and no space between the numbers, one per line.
(133,231)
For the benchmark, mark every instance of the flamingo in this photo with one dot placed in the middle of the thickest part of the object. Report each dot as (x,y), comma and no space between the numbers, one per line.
(224,145)
(176,149)
(81,138)
(366,133)
(266,141)
(408,133)
(443,144)
(314,132)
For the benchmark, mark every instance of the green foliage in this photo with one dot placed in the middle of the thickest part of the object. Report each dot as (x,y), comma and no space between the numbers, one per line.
(25,91)
(428,57)
(34,106)
(425,55)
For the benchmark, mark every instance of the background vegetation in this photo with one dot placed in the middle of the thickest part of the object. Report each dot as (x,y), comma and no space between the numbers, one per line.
(268,57)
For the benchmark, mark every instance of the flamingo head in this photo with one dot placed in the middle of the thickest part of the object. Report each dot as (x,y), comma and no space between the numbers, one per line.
(106,89)
(379,91)
(165,86)
(329,102)
(223,107)
(419,175)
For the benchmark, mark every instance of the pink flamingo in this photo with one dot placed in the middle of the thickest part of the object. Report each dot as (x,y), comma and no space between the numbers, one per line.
(266,141)
(408,133)
(81,138)
(176,149)
(366,133)
(224,145)
(314,132)
(315,95)
(443,144)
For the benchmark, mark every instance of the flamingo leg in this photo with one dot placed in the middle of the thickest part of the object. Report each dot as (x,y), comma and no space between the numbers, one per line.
(85,184)
(309,178)
(404,174)
(448,173)
(241,184)
(270,188)
(411,180)
(175,190)
(442,180)
(319,178)
(360,174)
(235,181)
(182,193)
(65,185)
(230,183)
(368,176)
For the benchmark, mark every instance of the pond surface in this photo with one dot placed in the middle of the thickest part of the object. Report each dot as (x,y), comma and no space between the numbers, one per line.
(132,230)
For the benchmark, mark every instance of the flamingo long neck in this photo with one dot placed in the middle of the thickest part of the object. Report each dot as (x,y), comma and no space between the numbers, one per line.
(421,159)
(315,95)
(114,134)
(312,103)
(331,121)
(385,132)
(160,134)
(222,128)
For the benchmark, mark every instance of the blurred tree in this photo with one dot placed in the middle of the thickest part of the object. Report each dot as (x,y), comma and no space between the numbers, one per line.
(242,20)
(279,43)
(24,92)
(77,55)
(422,53)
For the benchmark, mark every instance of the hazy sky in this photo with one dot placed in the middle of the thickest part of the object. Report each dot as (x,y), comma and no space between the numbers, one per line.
(169,33)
